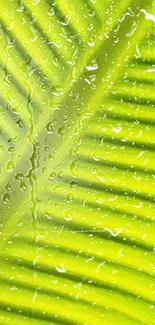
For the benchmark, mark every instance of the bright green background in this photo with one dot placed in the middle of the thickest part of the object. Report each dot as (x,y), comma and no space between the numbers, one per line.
(77,154)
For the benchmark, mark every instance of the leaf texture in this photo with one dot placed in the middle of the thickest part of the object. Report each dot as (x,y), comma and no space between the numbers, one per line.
(77,162)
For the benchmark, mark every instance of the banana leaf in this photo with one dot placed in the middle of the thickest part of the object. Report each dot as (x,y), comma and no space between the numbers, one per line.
(77,162)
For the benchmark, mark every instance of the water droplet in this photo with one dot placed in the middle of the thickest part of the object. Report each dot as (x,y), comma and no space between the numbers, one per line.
(60,269)
(92,66)
(51,12)
(114,232)
(117,130)
(61,131)
(69,218)
(10,165)
(50,126)
(35,2)
(133,29)
(6,198)
(73,167)
(148,16)
(57,90)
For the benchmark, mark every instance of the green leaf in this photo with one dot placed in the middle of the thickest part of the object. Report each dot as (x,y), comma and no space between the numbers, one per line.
(77,145)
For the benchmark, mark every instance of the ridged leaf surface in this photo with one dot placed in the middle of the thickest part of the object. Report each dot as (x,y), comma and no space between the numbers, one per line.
(77,162)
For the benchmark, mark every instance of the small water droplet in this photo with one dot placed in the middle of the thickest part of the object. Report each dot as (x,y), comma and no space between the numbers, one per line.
(73,167)
(61,131)
(117,130)
(60,269)
(35,2)
(6,198)
(57,90)
(10,165)
(50,126)
(92,66)
(114,232)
